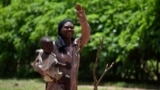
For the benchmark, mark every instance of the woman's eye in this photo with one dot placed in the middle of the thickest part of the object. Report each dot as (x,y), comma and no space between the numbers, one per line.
(72,27)
(69,27)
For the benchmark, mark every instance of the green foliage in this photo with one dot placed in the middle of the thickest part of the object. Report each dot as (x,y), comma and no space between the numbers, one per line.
(130,29)
(22,25)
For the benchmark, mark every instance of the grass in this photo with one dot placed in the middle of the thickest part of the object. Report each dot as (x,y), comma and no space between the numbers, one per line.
(38,84)
(14,84)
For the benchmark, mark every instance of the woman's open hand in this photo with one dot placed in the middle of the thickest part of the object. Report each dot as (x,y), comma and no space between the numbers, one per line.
(80,13)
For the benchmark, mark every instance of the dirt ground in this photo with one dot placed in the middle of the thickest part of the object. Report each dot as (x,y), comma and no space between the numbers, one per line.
(116,88)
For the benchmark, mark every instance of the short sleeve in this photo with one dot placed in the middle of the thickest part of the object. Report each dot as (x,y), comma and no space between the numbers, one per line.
(78,42)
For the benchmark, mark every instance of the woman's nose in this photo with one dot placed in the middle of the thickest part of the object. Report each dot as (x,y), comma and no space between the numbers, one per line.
(69,28)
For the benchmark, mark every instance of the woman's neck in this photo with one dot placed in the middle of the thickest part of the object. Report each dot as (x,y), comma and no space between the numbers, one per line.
(67,41)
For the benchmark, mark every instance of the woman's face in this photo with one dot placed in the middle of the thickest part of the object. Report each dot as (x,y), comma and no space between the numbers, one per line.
(67,30)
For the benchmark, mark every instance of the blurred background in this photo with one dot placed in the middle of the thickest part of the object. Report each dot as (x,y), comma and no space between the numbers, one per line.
(130,28)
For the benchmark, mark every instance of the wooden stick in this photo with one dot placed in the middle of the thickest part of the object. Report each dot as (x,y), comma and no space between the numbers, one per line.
(97,81)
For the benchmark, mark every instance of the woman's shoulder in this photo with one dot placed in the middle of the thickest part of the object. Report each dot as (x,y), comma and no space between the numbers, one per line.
(78,41)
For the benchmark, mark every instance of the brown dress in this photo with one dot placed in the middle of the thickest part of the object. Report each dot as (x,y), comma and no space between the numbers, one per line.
(71,56)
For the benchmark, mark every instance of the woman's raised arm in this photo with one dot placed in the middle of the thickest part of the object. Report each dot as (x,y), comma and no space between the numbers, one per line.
(85,27)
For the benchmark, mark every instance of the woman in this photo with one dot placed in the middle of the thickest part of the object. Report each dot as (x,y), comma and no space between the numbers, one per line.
(67,50)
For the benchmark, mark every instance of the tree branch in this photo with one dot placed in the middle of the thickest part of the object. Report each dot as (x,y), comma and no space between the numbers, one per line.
(96,82)
(105,71)
(95,64)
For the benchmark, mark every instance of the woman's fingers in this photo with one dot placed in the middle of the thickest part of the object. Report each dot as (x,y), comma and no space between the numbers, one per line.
(79,11)
(78,7)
